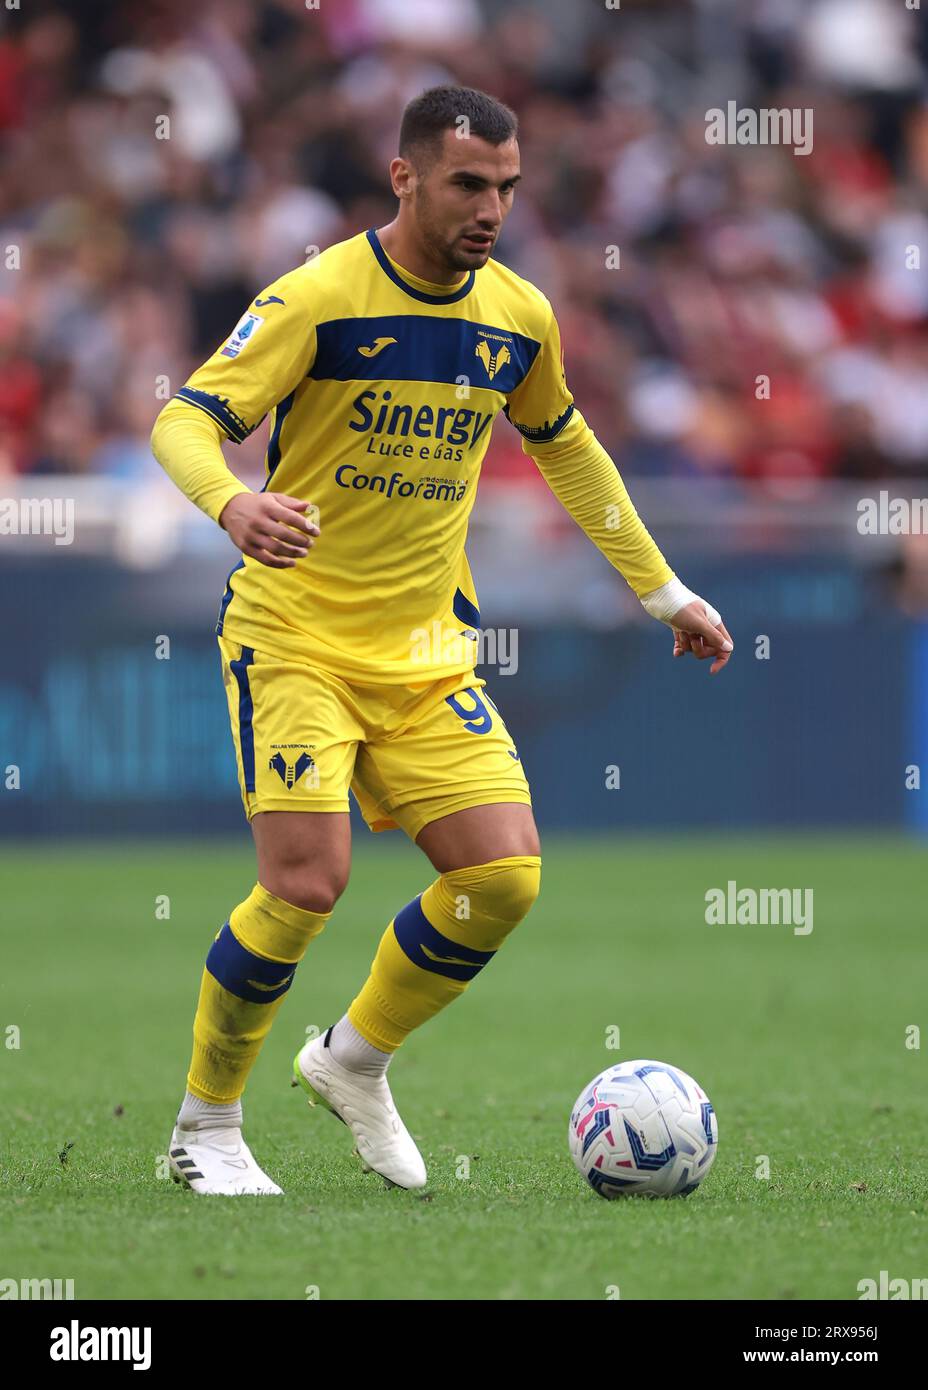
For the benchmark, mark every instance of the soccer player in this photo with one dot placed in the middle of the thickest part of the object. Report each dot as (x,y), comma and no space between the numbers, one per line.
(347,629)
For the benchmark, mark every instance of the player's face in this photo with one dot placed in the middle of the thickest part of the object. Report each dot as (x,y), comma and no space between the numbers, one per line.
(463,199)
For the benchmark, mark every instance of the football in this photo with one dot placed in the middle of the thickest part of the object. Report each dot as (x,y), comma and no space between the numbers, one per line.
(643,1129)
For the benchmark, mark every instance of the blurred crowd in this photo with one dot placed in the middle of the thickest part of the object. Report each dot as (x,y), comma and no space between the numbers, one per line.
(684,274)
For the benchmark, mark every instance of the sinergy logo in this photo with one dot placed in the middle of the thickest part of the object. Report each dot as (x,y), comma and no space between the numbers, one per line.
(421,431)
(76,1343)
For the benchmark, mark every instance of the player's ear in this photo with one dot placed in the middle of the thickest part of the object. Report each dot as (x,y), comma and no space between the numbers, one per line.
(402,177)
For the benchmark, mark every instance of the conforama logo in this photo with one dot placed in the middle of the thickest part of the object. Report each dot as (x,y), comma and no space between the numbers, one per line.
(347,475)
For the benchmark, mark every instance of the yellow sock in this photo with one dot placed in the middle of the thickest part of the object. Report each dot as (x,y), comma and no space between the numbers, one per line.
(249,969)
(433,948)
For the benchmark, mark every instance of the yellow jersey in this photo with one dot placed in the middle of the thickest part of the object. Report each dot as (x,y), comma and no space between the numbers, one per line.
(383,389)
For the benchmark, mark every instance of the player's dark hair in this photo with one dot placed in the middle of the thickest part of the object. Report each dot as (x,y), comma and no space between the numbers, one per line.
(438,109)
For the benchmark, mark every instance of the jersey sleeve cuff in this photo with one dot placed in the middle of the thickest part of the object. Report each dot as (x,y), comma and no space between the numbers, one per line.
(217,409)
(541,434)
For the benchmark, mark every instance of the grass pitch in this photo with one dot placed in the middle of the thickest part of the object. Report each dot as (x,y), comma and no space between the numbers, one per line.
(799,1041)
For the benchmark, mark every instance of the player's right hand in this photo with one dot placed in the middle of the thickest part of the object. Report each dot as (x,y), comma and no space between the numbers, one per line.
(270,527)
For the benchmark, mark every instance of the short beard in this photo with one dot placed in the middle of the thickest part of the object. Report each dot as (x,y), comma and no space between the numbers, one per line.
(446,254)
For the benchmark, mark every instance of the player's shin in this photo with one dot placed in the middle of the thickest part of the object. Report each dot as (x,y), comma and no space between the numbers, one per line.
(249,969)
(438,943)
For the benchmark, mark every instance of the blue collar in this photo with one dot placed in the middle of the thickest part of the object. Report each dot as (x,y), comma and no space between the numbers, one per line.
(421,295)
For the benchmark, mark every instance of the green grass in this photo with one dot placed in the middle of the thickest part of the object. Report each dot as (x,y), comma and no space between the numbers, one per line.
(800,1042)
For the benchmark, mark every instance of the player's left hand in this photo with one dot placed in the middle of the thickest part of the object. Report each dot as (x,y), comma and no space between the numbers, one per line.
(699,629)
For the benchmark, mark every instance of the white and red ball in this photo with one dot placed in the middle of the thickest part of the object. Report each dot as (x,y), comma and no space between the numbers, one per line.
(644,1129)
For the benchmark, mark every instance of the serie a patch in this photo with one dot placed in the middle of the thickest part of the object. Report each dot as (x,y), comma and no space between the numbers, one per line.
(244,331)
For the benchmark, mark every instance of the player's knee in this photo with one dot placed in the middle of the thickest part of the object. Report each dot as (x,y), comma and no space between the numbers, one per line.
(508,888)
(519,889)
(314,890)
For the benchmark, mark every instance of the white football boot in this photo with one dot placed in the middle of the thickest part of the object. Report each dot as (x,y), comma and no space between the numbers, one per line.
(365,1105)
(218,1162)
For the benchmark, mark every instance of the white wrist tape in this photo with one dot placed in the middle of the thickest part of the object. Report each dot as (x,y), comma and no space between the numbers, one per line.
(665,602)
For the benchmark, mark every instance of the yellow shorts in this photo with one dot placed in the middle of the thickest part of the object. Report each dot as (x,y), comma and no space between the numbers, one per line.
(410,754)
